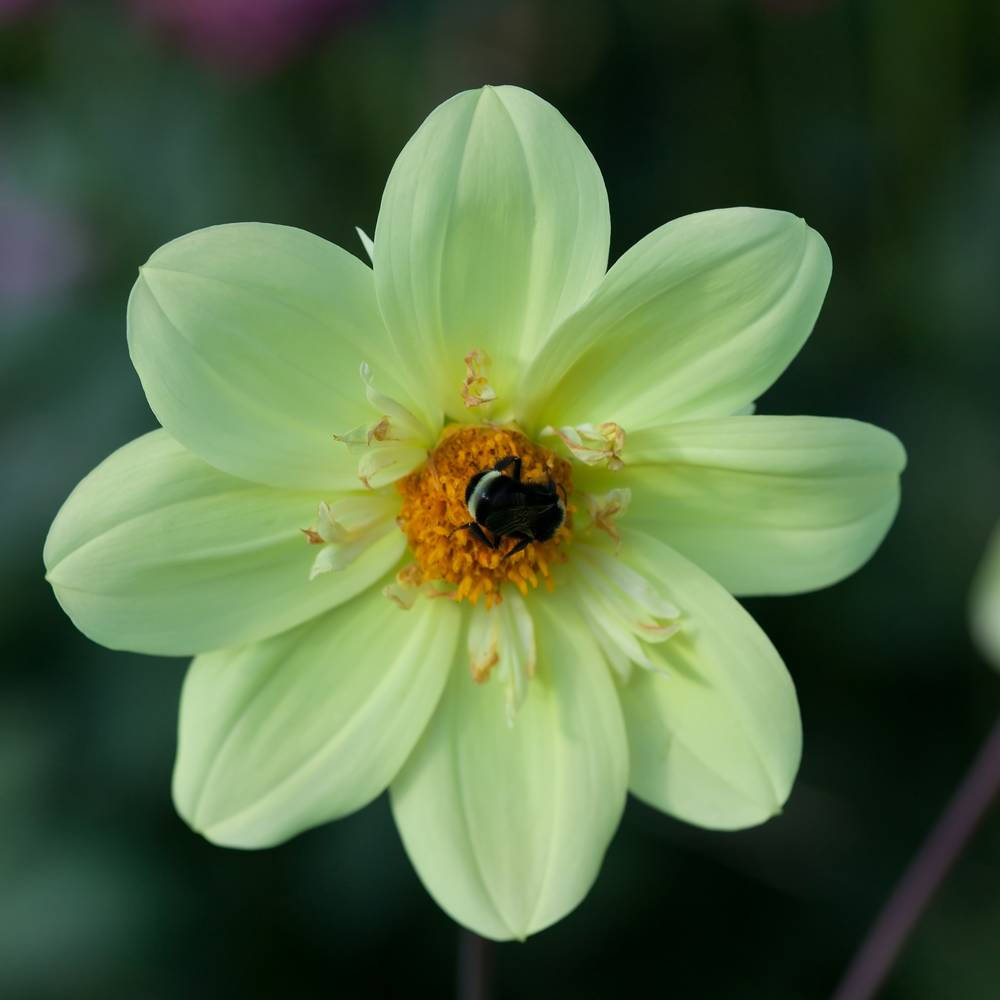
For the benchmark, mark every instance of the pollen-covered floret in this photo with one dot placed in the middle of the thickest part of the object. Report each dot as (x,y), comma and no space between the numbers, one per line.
(434,508)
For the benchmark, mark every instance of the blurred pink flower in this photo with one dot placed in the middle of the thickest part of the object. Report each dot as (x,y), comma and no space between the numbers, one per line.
(9,9)
(42,249)
(248,37)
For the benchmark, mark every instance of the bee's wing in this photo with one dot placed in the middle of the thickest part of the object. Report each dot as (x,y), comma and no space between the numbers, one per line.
(519,518)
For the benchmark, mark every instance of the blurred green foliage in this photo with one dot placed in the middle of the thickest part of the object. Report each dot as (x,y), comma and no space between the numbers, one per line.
(879,122)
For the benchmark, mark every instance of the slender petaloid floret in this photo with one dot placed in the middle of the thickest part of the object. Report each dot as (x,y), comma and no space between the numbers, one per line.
(496,574)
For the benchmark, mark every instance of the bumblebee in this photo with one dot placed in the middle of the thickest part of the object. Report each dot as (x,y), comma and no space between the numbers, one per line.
(507,507)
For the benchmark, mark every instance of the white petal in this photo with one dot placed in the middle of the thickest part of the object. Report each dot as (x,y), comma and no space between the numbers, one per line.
(696,320)
(282,735)
(767,505)
(157,552)
(248,339)
(717,740)
(507,825)
(494,225)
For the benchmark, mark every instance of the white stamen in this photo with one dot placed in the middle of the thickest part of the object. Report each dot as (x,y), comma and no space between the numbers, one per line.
(405,425)
(501,639)
(476,389)
(483,643)
(391,446)
(606,508)
(632,583)
(518,654)
(615,629)
(630,616)
(404,595)
(613,653)
(601,445)
(381,466)
(356,439)
(346,529)
(409,585)
(334,558)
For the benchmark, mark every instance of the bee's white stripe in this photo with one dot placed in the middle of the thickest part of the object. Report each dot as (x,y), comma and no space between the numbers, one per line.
(477,493)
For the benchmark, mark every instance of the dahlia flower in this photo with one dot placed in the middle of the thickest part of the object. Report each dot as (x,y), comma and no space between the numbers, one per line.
(306,523)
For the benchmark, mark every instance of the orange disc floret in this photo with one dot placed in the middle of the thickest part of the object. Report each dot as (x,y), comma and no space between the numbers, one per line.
(434,506)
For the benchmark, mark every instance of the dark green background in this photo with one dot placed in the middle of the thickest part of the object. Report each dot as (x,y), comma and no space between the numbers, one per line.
(878,122)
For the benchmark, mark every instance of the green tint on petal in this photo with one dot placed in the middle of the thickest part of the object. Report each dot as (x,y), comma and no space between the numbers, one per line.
(767,505)
(696,320)
(494,226)
(249,339)
(157,552)
(507,824)
(282,735)
(716,739)
(985,602)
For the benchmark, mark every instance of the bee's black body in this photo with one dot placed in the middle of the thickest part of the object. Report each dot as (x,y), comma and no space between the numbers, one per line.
(507,507)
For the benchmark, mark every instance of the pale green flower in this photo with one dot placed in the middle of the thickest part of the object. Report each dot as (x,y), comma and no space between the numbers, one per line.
(324,674)
(985,601)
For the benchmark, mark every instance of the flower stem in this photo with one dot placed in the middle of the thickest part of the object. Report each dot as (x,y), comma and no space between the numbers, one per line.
(475,963)
(938,853)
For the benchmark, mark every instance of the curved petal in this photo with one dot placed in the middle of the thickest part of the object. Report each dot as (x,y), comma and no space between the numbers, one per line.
(716,739)
(696,320)
(282,735)
(248,340)
(157,552)
(767,505)
(985,603)
(494,225)
(507,824)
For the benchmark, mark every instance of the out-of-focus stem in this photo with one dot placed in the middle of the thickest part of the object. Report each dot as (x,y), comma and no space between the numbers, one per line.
(475,966)
(938,853)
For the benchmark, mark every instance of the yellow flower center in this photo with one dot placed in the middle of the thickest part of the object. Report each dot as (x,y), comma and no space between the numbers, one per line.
(434,510)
